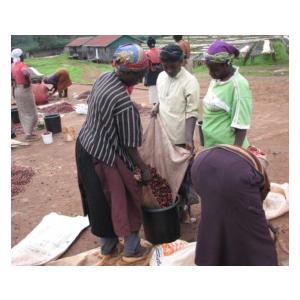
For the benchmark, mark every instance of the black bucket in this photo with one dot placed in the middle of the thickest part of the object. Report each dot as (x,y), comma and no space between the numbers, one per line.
(161,225)
(15,115)
(53,123)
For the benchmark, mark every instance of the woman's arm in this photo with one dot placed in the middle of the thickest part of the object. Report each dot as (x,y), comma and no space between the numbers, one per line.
(27,78)
(135,156)
(189,133)
(53,89)
(240,135)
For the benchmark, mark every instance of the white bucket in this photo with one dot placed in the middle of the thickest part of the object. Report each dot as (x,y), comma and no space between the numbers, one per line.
(47,138)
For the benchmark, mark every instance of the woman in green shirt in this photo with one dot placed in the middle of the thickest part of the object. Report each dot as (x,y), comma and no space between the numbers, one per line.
(227,106)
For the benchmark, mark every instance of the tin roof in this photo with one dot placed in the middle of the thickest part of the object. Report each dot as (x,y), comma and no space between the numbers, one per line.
(79,41)
(104,40)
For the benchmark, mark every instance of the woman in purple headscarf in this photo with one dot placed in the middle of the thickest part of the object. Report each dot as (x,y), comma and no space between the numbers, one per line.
(227,106)
(232,183)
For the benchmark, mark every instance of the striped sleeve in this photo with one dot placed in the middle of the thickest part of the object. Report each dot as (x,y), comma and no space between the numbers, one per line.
(129,127)
(242,106)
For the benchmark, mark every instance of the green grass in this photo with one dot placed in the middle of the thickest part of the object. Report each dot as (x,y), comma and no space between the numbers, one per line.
(81,71)
(86,72)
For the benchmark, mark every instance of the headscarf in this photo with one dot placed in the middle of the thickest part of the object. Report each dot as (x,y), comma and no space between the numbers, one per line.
(16,54)
(171,53)
(221,52)
(130,57)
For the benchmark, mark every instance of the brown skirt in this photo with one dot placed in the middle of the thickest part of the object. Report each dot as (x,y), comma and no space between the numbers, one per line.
(110,196)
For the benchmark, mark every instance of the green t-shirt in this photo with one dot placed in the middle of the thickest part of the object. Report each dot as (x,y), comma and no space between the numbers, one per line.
(227,105)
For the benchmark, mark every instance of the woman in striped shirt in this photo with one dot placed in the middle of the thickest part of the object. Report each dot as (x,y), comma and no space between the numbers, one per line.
(106,155)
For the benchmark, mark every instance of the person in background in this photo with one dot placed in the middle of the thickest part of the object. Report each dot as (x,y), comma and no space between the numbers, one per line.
(227,106)
(178,108)
(185,46)
(40,92)
(233,230)
(22,92)
(60,82)
(106,156)
(155,68)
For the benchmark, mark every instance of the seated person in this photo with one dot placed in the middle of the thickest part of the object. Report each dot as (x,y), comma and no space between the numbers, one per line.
(40,93)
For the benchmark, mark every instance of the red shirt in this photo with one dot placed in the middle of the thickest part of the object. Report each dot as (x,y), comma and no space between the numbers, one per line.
(153,55)
(40,92)
(17,72)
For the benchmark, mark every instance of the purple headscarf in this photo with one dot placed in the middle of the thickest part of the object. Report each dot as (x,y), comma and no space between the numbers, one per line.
(220,52)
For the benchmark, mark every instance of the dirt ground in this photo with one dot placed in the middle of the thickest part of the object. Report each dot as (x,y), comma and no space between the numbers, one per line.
(53,188)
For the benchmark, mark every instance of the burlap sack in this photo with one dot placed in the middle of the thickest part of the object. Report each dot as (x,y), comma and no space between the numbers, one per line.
(170,161)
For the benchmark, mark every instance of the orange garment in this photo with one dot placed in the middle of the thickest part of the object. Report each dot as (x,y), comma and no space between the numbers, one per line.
(153,55)
(17,72)
(63,81)
(185,46)
(154,59)
(40,92)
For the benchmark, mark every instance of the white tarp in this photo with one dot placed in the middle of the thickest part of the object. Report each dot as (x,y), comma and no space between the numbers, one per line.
(267,47)
(48,240)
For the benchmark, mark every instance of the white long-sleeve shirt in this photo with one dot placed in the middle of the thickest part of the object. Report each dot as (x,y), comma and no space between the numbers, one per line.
(179,99)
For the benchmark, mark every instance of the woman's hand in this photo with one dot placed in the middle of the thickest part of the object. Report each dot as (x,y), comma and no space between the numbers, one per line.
(190,147)
(26,85)
(155,110)
(146,175)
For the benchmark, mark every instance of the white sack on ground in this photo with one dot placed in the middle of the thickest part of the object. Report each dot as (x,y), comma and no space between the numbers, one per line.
(81,108)
(48,240)
(277,201)
(170,161)
(177,253)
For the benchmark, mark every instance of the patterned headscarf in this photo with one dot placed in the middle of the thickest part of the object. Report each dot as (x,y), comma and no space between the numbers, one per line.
(16,54)
(221,52)
(130,57)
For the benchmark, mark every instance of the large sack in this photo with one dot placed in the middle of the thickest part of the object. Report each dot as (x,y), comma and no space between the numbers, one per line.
(178,253)
(277,201)
(171,162)
(93,258)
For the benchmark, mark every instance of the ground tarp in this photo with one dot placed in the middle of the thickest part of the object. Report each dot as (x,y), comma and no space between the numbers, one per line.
(46,242)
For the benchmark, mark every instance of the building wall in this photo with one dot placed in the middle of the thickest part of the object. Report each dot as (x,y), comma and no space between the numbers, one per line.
(106,53)
(81,51)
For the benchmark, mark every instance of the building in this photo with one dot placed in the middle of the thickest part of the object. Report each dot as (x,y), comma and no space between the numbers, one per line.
(101,48)
(77,48)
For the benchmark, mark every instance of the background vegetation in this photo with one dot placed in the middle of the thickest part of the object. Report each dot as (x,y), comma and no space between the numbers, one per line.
(83,71)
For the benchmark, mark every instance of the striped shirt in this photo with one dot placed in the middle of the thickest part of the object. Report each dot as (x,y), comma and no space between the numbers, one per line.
(113,122)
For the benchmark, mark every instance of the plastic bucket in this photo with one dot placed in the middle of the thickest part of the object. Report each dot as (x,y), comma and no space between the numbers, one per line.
(15,115)
(161,225)
(53,123)
(47,138)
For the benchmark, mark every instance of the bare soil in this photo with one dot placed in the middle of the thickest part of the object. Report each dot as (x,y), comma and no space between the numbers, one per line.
(53,188)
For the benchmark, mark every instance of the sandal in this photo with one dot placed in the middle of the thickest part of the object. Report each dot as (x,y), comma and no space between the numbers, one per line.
(141,254)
